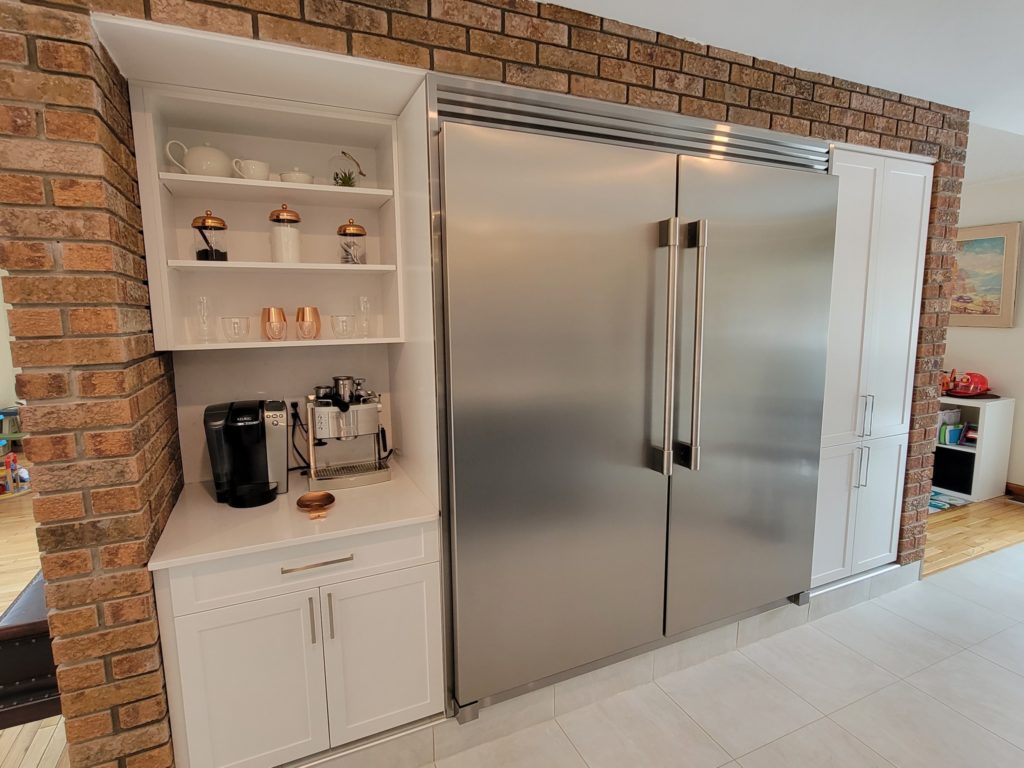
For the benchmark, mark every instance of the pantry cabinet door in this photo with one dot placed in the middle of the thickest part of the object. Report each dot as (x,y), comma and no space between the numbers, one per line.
(860,191)
(383,651)
(876,536)
(894,303)
(838,489)
(252,680)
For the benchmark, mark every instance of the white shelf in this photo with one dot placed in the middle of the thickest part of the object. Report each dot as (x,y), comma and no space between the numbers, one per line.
(964,448)
(189,265)
(261,344)
(250,191)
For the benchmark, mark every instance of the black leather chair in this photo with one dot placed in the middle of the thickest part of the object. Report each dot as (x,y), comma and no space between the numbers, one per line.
(28,676)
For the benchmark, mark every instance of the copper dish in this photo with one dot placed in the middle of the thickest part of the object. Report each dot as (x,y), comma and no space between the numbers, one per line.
(315,501)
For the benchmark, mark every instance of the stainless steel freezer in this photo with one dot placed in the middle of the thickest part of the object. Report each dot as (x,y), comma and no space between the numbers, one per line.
(634,368)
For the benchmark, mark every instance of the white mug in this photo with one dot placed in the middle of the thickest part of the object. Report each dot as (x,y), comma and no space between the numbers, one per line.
(251,169)
(295,176)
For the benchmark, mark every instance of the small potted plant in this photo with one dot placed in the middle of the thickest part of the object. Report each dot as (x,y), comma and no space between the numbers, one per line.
(343,174)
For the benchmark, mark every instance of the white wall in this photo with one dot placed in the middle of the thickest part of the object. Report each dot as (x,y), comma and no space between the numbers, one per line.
(996,352)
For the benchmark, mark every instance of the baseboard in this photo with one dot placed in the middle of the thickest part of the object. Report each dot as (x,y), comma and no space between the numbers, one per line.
(1016,491)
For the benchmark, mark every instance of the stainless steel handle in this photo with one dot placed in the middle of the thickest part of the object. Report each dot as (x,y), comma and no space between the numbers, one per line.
(668,237)
(697,237)
(312,623)
(860,467)
(867,469)
(330,614)
(863,417)
(311,566)
(870,419)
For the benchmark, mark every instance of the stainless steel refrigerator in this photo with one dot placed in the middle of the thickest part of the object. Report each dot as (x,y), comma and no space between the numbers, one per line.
(635,355)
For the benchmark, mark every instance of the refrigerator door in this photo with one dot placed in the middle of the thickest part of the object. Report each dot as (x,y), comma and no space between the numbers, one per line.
(741,522)
(554,292)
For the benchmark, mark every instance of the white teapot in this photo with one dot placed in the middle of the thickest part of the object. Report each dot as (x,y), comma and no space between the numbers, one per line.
(201,161)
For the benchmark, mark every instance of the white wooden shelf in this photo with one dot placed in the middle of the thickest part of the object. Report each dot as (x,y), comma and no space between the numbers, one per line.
(251,191)
(965,448)
(190,265)
(261,344)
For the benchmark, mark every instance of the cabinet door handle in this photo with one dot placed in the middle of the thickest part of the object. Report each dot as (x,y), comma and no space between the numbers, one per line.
(860,467)
(871,418)
(867,467)
(312,623)
(863,417)
(330,614)
(309,567)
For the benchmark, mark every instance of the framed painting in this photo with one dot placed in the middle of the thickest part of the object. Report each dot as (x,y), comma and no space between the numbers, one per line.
(984,281)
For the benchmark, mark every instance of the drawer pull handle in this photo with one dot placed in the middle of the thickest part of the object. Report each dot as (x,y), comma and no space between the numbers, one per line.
(312,623)
(296,569)
(330,613)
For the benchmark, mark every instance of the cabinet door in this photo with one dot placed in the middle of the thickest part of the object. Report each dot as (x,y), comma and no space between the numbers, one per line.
(252,680)
(860,189)
(894,302)
(383,651)
(838,490)
(876,535)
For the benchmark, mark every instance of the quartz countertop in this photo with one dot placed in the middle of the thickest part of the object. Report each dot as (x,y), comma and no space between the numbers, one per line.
(200,529)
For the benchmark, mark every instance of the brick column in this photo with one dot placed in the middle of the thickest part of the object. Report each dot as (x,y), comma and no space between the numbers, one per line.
(101,409)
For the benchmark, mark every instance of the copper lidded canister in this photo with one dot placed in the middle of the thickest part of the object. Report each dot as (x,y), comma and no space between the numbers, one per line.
(209,237)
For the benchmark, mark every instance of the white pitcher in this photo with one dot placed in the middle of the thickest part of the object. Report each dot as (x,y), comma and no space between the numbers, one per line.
(201,161)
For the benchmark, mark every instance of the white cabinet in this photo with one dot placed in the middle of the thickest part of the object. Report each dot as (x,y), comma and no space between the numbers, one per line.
(880,496)
(252,681)
(382,651)
(881,231)
(274,655)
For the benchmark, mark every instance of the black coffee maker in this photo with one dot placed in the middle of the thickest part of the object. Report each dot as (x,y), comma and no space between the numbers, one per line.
(248,445)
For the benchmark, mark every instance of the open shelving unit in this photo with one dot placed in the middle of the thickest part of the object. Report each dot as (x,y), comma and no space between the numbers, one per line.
(976,472)
(287,136)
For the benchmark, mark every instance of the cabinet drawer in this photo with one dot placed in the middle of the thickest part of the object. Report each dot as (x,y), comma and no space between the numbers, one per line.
(232,580)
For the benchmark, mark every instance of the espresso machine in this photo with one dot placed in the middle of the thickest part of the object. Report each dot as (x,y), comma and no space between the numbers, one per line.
(347,443)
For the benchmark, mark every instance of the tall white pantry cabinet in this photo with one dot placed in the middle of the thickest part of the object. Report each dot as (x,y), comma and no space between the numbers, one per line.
(881,232)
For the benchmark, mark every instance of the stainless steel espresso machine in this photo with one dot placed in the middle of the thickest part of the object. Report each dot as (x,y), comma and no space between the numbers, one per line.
(347,443)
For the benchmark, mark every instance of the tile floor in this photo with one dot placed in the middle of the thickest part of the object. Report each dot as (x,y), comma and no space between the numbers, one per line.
(929,675)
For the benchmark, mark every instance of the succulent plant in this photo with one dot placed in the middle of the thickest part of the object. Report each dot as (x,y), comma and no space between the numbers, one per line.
(345,178)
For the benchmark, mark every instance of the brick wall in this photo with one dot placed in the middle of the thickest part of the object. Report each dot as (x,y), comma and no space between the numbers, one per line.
(102,404)
(101,407)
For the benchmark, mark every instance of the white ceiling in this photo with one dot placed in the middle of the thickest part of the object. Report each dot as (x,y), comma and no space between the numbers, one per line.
(963,54)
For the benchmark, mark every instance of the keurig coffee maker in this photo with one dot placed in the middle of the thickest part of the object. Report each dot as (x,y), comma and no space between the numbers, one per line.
(248,444)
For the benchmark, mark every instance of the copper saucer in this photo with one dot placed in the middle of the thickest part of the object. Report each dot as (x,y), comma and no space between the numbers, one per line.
(315,501)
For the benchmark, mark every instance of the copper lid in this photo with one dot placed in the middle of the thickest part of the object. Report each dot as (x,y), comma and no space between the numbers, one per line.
(208,221)
(284,215)
(352,229)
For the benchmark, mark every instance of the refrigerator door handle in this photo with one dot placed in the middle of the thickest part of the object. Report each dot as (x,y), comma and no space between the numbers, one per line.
(668,237)
(697,238)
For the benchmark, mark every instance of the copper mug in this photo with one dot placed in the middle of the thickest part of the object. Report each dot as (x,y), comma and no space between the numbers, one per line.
(307,323)
(273,324)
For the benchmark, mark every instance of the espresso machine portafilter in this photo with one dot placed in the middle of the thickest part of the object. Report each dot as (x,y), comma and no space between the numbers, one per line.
(346,412)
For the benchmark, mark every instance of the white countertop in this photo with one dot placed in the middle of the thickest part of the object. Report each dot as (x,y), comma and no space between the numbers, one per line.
(200,529)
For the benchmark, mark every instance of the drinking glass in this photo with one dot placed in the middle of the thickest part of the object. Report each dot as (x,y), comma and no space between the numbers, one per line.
(363,318)
(202,324)
(343,326)
(276,330)
(305,329)
(235,328)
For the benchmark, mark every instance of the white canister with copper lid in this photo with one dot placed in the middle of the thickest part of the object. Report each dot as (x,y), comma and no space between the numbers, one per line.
(285,237)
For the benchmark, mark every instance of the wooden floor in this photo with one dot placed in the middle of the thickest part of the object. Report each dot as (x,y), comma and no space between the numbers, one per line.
(964,533)
(41,744)
(19,553)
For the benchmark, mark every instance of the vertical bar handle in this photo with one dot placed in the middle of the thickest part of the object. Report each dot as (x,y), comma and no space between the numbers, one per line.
(863,417)
(312,623)
(697,237)
(668,237)
(870,420)
(867,468)
(330,614)
(860,467)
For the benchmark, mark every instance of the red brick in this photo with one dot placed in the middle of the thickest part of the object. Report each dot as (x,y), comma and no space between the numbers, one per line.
(135,663)
(566,58)
(539,30)
(655,55)
(78,677)
(17,121)
(141,712)
(21,189)
(727,55)
(42,448)
(709,110)
(128,610)
(749,117)
(570,16)
(644,97)
(600,43)
(124,555)
(281,30)
(111,747)
(534,77)
(81,729)
(83,647)
(866,103)
(209,18)
(63,623)
(161,757)
(678,82)
(626,72)
(385,49)
(771,102)
(502,47)
(20,255)
(461,12)
(727,92)
(64,57)
(593,88)
(35,322)
(430,32)
(835,97)
(13,49)
(705,67)
(752,78)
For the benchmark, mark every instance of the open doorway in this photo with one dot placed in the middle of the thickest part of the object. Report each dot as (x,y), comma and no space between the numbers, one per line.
(978,477)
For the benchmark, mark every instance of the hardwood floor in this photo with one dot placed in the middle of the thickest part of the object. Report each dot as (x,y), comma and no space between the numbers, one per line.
(19,553)
(41,744)
(964,533)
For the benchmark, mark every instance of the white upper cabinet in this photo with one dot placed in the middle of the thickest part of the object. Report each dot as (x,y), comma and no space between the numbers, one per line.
(894,300)
(860,189)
